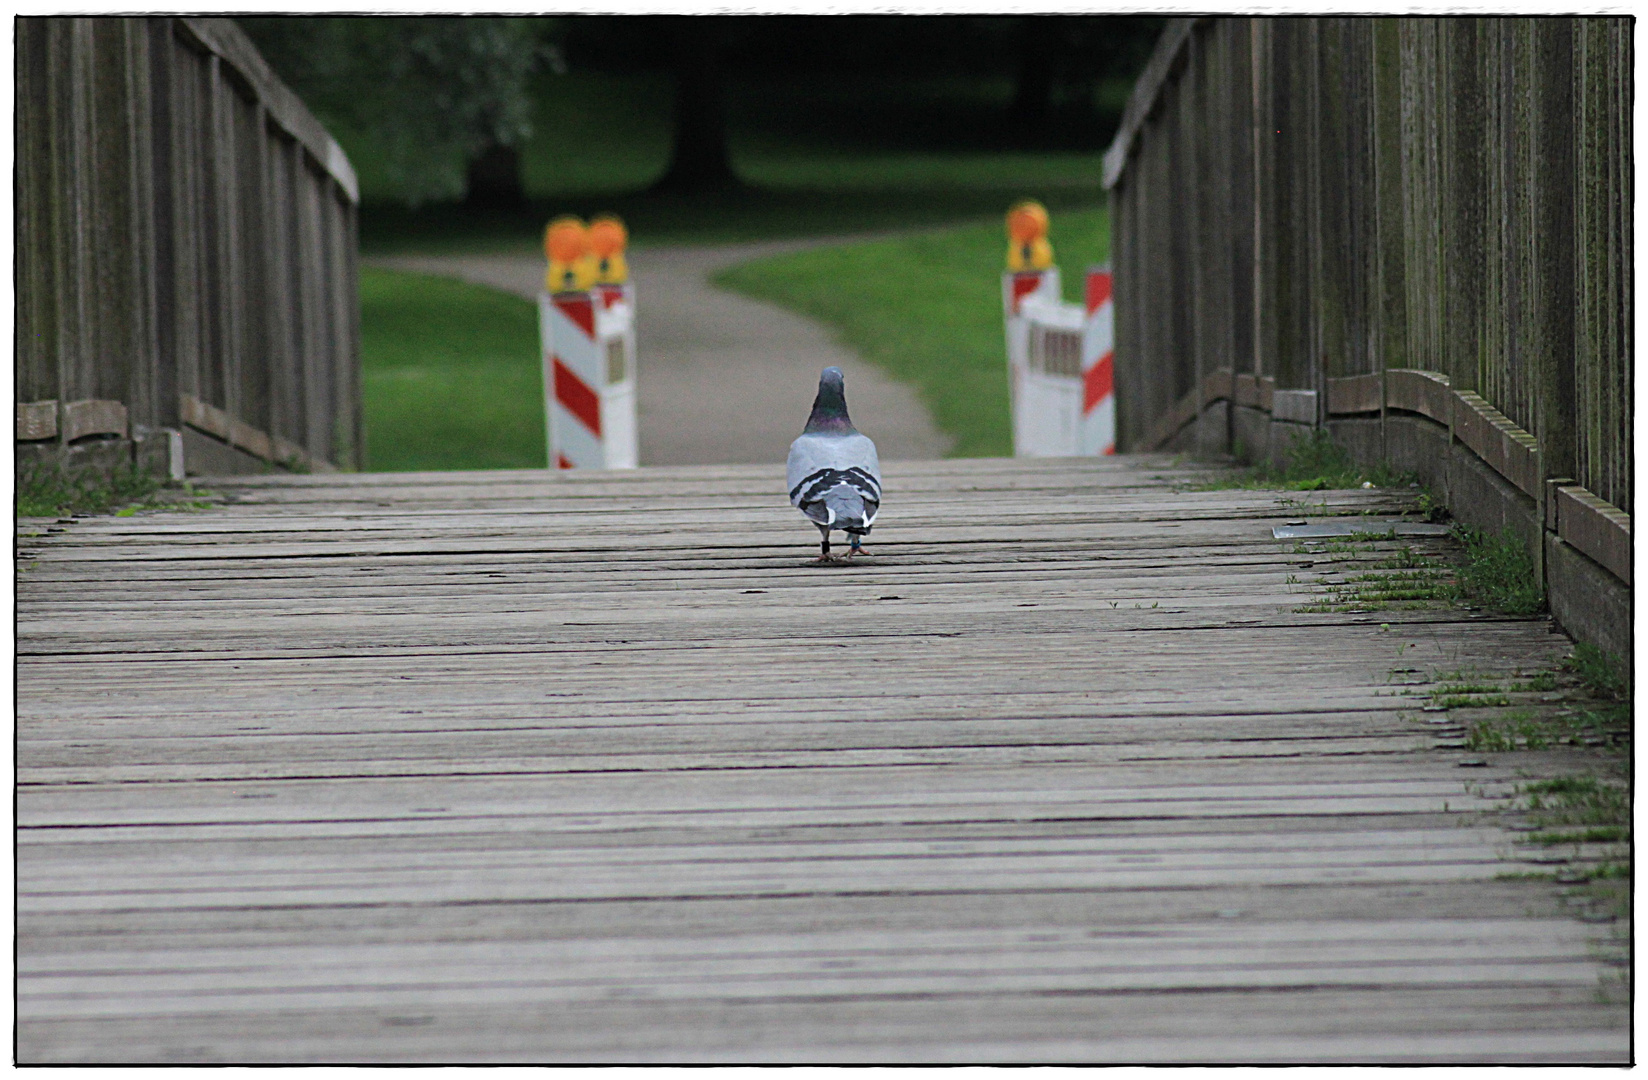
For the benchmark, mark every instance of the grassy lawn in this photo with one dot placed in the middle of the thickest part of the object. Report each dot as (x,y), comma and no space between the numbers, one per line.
(927,310)
(450,375)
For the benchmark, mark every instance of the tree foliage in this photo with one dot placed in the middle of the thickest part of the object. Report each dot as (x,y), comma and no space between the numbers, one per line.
(430,94)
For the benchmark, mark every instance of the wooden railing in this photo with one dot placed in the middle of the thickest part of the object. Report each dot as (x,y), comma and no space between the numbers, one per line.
(1319,219)
(186,251)
(1313,198)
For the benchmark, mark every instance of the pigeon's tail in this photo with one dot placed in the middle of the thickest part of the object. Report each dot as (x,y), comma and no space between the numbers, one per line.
(846,509)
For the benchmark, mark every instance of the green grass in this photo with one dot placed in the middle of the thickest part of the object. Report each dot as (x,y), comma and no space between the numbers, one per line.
(1531,729)
(1313,462)
(1602,673)
(1589,805)
(1498,573)
(1587,808)
(927,310)
(1494,573)
(451,375)
(1472,701)
(1579,800)
(50,493)
(1396,578)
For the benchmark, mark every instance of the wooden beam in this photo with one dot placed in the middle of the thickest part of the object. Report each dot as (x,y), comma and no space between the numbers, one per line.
(1597,528)
(1294,406)
(1423,392)
(260,444)
(92,416)
(1510,451)
(1351,394)
(36,420)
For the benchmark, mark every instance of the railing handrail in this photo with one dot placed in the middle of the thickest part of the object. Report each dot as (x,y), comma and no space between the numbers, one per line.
(1145,91)
(230,43)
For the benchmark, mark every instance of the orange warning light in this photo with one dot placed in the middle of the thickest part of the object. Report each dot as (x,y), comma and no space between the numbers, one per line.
(1028,248)
(1027,222)
(565,239)
(607,236)
(607,239)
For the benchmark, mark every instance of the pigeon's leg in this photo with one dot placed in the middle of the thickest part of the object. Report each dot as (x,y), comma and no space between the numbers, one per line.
(824,555)
(857,548)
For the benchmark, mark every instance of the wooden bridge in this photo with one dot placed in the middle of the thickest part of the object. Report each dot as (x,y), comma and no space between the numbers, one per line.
(517,766)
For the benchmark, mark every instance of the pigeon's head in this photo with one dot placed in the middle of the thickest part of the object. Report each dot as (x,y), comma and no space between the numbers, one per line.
(830,406)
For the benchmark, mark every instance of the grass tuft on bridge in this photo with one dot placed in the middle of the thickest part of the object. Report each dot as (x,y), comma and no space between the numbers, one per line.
(43,493)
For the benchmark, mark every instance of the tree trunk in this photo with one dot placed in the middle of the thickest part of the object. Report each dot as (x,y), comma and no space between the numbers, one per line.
(699,160)
(495,179)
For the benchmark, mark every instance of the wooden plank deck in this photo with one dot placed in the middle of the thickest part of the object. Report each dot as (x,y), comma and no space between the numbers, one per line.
(515,767)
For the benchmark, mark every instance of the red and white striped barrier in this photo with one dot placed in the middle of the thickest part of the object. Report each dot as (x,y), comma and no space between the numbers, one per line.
(1016,288)
(1059,357)
(589,377)
(1098,351)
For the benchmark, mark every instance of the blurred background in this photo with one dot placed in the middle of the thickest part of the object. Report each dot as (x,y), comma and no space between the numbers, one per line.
(469,134)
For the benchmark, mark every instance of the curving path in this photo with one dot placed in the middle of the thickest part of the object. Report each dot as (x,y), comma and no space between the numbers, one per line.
(723,379)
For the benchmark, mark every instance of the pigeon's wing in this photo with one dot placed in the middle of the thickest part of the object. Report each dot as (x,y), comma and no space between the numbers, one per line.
(871,465)
(808,455)
(869,461)
(808,462)
(819,462)
(815,458)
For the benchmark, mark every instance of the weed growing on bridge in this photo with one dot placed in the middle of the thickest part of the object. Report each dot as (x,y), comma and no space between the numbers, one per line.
(1432,508)
(1602,673)
(1472,701)
(1588,809)
(1495,573)
(1530,729)
(1314,462)
(1580,716)
(1401,580)
(1498,572)
(1598,712)
(1580,817)
(43,492)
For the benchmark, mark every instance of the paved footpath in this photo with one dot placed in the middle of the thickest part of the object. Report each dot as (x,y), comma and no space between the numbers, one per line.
(723,379)
(518,766)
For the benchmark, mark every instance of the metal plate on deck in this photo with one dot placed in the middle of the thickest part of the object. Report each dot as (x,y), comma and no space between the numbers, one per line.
(1356,527)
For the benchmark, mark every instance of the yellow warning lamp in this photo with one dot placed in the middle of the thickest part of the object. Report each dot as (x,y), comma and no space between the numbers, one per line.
(571,267)
(607,240)
(1028,247)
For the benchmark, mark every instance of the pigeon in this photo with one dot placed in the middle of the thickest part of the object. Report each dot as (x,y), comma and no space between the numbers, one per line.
(833,472)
